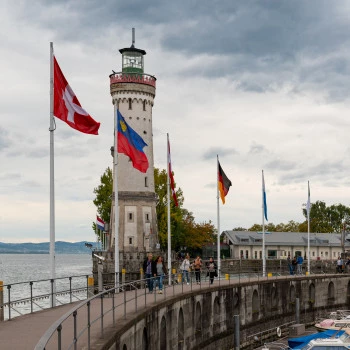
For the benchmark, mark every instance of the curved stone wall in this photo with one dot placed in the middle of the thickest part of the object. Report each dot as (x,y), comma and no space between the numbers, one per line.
(204,320)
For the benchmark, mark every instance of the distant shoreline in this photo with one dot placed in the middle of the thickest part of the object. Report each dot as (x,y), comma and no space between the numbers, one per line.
(44,248)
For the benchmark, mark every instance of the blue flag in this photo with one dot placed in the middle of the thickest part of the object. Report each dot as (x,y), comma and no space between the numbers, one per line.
(264,196)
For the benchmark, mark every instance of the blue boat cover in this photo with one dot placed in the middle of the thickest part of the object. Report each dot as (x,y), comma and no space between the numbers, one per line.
(298,343)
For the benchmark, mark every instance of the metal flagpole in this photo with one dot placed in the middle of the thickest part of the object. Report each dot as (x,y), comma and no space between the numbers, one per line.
(308,228)
(52,177)
(116,205)
(263,225)
(168,204)
(218,212)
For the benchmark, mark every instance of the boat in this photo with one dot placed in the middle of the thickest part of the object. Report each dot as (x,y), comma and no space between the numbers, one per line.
(336,343)
(337,320)
(304,341)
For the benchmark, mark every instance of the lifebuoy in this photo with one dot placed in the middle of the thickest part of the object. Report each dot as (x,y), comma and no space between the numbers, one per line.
(278,331)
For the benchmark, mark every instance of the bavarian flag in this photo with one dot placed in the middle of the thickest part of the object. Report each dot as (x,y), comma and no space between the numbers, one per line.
(223,183)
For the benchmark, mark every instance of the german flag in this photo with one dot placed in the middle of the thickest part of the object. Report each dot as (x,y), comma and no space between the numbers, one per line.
(223,182)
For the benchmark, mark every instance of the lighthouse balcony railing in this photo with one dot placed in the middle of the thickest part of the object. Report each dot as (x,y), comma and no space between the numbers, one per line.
(132,77)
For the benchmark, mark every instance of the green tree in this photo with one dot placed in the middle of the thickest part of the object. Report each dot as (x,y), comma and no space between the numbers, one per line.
(103,199)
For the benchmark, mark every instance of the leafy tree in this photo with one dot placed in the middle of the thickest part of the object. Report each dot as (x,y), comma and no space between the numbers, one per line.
(292,226)
(239,229)
(103,199)
(256,227)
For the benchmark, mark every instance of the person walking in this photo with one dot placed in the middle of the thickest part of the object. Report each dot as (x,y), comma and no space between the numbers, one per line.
(197,264)
(300,261)
(212,270)
(161,271)
(185,267)
(149,268)
(290,265)
(340,265)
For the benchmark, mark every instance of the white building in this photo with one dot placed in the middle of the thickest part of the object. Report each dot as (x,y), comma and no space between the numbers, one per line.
(278,245)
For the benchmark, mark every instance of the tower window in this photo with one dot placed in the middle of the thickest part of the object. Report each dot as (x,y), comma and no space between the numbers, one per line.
(145,132)
(130,103)
(130,217)
(146,181)
(147,217)
(130,240)
(144,105)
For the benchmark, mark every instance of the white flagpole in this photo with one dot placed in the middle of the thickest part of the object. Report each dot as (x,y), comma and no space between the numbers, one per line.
(116,205)
(218,212)
(52,175)
(308,228)
(263,225)
(168,204)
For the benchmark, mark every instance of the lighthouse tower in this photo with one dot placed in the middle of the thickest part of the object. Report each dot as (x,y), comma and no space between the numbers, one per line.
(133,94)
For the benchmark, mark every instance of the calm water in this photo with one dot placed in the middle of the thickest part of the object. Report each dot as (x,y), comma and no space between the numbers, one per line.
(17,270)
(29,267)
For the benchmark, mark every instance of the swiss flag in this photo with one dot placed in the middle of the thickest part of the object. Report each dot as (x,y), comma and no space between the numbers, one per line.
(68,108)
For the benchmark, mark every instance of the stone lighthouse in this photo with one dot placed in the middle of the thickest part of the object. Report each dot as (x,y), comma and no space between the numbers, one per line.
(133,94)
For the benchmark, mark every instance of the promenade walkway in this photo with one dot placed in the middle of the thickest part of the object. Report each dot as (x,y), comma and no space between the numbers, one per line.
(24,332)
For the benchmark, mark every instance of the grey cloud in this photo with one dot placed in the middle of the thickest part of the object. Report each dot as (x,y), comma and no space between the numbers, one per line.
(10,176)
(222,152)
(280,165)
(5,141)
(38,153)
(257,149)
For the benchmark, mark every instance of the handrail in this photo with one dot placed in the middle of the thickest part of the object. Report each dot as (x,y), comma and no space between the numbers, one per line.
(30,292)
(120,297)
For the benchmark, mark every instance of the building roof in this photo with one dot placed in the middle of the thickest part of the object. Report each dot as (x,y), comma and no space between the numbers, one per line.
(286,238)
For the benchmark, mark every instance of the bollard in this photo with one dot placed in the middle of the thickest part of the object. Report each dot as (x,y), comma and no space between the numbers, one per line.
(142,277)
(179,277)
(90,286)
(227,276)
(123,276)
(1,301)
(269,274)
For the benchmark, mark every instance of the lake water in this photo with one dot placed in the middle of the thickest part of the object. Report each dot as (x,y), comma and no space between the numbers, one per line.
(17,270)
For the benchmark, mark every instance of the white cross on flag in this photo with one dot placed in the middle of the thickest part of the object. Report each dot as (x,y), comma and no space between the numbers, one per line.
(68,108)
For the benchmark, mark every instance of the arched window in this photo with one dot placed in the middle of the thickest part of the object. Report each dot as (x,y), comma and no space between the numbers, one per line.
(130,103)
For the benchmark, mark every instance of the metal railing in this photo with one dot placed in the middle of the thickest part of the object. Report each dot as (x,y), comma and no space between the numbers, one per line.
(27,297)
(105,308)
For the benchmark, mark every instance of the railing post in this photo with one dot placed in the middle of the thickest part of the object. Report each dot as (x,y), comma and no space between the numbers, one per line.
(297,310)
(101,315)
(31,296)
(88,323)
(90,286)
(9,299)
(136,299)
(70,289)
(1,301)
(75,329)
(124,302)
(52,301)
(59,337)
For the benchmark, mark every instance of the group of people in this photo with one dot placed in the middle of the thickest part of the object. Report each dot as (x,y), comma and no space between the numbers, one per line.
(196,266)
(155,270)
(295,265)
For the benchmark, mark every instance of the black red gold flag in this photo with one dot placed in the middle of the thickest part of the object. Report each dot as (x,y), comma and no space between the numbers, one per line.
(224,183)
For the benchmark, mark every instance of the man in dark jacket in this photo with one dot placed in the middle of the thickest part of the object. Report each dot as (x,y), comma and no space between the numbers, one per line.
(149,269)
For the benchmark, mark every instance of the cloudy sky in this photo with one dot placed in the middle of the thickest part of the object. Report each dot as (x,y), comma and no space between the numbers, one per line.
(263,84)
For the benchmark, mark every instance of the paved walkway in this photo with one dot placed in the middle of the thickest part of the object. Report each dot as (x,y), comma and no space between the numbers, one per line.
(24,332)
